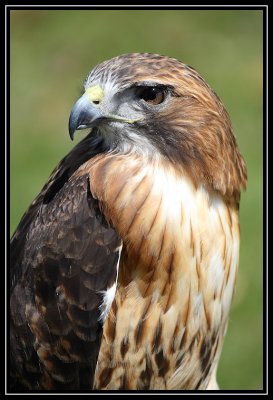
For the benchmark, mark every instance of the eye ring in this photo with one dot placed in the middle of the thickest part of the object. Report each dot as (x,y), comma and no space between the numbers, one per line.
(152,95)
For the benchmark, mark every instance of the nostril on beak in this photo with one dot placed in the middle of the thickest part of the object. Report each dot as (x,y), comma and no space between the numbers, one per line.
(96,101)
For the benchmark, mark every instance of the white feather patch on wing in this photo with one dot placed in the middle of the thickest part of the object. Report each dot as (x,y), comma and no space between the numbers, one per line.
(109,294)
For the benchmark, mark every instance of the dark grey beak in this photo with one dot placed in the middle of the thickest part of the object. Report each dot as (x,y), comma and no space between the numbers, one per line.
(83,115)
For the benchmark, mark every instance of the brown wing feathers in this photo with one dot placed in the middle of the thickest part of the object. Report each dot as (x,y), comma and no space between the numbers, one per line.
(70,255)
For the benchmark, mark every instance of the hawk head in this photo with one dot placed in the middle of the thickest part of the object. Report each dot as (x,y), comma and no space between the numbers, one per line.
(160,107)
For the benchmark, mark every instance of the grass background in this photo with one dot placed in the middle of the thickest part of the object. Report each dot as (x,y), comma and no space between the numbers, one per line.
(52,51)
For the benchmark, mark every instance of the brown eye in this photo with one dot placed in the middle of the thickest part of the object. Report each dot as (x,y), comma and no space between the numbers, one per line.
(152,95)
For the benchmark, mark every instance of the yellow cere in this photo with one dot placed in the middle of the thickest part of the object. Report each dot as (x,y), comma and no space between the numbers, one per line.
(95,93)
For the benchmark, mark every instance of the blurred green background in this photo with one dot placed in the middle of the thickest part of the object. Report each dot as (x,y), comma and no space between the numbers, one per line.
(52,52)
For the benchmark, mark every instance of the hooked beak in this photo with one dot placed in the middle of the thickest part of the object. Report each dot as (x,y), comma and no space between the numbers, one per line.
(87,111)
(84,115)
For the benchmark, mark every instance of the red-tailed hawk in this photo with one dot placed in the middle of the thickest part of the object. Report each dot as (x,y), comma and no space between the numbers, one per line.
(123,268)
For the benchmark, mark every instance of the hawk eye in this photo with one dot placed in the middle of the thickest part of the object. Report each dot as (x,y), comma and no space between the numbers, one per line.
(152,95)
